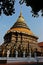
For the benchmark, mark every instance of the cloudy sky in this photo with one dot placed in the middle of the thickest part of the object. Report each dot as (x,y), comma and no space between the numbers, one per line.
(35,24)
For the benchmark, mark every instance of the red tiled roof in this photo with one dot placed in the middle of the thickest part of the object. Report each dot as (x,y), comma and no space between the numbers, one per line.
(40,44)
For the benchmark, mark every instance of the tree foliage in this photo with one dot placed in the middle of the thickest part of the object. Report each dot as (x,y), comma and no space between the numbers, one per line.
(7,6)
(36,5)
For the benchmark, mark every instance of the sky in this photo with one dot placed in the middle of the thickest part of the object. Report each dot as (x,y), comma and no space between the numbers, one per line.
(35,24)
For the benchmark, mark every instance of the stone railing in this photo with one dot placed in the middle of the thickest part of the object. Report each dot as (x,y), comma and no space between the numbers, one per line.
(22,59)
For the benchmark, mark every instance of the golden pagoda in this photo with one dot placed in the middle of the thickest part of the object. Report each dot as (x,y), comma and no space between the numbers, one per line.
(19,38)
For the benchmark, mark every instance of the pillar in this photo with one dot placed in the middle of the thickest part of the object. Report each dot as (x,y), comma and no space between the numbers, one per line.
(16,54)
(35,54)
(30,53)
(24,54)
(8,53)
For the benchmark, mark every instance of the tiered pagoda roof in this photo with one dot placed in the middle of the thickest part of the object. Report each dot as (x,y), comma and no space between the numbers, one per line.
(20,23)
(21,26)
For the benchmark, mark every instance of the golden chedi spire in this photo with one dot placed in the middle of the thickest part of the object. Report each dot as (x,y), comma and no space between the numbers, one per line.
(20,23)
(20,13)
(20,18)
(21,26)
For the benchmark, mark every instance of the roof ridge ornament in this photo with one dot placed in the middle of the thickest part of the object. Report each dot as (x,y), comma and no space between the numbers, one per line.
(20,12)
(20,18)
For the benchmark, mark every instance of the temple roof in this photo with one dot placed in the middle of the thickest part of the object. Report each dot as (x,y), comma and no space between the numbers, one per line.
(40,44)
(21,26)
(20,22)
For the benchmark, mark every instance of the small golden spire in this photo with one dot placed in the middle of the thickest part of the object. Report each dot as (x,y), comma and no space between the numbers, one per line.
(21,11)
(20,18)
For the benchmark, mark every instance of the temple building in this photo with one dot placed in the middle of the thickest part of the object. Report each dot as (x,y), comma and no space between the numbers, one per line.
(40,44)
(19,39)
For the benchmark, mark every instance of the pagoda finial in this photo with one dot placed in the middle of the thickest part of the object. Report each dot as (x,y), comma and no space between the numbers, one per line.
(21,11)
(20,18)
